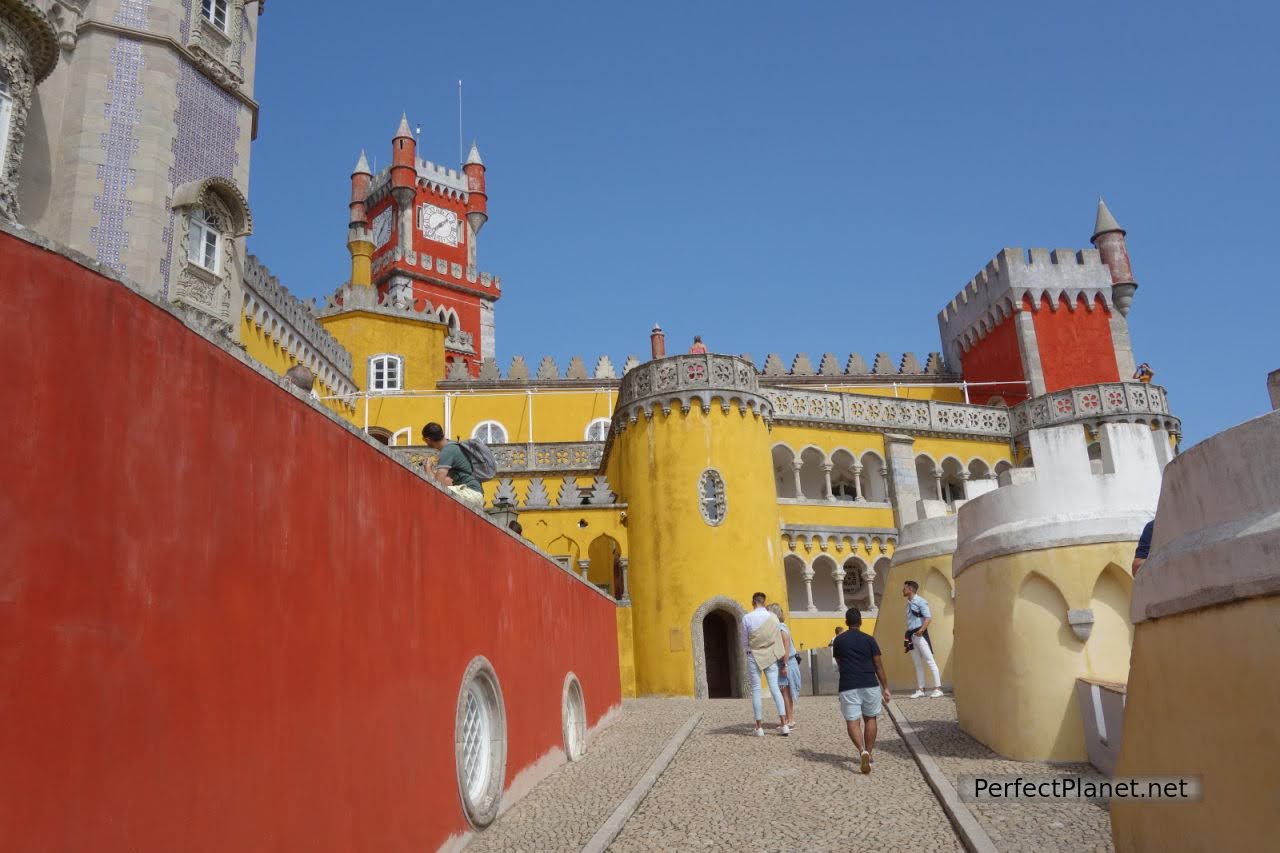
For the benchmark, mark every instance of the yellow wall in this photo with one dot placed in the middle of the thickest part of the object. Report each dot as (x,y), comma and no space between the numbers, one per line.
(934,576)
(258,345)
(678,561)
(1018,661)
(836,514)
(1231,741)
(816,632)
(963,449)
(626,653)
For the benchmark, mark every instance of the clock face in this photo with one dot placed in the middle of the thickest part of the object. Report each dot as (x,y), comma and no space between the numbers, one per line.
(438,224)
(382,228)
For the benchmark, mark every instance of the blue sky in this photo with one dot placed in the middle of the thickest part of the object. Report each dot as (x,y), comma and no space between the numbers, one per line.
(803,177)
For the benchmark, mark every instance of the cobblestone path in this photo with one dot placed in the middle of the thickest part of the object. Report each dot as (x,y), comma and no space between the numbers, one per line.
(727,790)
(564,811)
(1014,827)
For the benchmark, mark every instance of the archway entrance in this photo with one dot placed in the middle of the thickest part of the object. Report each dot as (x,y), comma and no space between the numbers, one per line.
(717,637)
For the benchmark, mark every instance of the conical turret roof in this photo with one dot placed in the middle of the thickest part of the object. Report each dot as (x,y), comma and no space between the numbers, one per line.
(474,156)
(1105,221)
(362,165)
(404,130)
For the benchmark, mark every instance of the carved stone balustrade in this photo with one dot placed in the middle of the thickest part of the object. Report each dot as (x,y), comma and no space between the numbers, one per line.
(1091,405)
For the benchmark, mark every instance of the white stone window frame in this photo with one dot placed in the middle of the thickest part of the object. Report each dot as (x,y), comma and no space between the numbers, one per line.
(480,742)
(573,718)
(217,48)
(201,228)
(485,431)
(209,11)
(6,117)
(387,363)
(605,423)
(718,497)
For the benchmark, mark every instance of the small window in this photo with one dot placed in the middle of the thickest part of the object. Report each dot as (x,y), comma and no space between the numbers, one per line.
(711,499)
(490,432)
(204,241)
(6,107)
(386,373)
(573,714)
(215,12)
(480,742)
(597,430)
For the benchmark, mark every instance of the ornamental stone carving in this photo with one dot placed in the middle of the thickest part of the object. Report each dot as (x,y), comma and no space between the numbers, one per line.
(1092,405)
(681,379)
(28,53)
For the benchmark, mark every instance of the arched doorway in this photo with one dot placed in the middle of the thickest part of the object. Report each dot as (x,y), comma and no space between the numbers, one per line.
(719,663)
(717,639)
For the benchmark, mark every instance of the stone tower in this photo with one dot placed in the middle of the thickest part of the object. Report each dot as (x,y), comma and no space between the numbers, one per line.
(137,145)
(416,238)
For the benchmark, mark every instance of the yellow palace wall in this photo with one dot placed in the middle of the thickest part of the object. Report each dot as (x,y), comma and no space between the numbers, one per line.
(934,576)
(1222,728)
(678,561)
(259,346)
(1021,657)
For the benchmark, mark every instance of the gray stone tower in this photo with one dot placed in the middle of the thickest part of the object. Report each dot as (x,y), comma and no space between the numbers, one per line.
(137,145)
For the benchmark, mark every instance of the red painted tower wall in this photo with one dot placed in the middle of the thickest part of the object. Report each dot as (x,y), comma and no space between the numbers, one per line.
(227,622)
(995,358)
(1075,345)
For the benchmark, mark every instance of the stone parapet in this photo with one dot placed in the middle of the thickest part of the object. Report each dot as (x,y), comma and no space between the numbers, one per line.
(681,379)
(868,411)
(925,538)
(264,294)
(1091,405)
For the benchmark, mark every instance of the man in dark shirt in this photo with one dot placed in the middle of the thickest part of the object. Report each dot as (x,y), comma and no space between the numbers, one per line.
(863,685)
(1143,550)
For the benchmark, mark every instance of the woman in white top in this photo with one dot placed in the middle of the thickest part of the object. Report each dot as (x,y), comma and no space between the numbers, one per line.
(789,670)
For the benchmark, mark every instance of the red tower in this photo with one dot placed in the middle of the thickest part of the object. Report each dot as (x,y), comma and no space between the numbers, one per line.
(424,219)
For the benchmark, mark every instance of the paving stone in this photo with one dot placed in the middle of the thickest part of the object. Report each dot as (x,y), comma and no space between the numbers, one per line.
(1015,827)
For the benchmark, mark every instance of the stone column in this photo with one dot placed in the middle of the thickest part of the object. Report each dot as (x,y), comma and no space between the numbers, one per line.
(857,481)
(964,483)
(871,590)
(626,582)
(808,588)
(826,478)
(904,488)
(838,576)
(582,569)
(1029,348)
(937,483)
(1124,349)
(796,465)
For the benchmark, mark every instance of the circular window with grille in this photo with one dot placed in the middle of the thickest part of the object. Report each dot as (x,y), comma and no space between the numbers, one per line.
(480,742)
(711,500)
(574,715)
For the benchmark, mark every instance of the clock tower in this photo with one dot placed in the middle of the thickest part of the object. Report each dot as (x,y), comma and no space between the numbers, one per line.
(422,220)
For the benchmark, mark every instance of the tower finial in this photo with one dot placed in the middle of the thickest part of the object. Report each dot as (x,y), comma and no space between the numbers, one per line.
(362,165)
(1105,221)
(474,156)
(404,130)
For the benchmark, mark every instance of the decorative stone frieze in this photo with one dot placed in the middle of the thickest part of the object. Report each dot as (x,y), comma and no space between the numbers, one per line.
(866,411)
(578,457)
(28,53)
(872,539)
(681,379)
(1092,405)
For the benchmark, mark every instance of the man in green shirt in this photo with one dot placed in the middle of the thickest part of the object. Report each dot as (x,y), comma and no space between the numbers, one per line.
(453,468)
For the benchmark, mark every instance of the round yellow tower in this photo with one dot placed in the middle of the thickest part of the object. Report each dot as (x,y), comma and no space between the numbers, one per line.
(691,448)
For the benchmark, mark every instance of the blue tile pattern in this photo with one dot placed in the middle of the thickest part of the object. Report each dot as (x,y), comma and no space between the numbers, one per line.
(110,237)
(134,13)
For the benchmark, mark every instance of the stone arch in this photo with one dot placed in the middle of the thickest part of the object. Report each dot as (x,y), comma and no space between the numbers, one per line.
(927,483)
(877,586)
(954,474)
(603,567)
(844,474)
(1111,637)
(1040,613)
(857,591)
(871,481)
(794,568)
(824,585)
(979,469)
(563,547)
(812,478)
(204,192)
(783,471)
(738,655)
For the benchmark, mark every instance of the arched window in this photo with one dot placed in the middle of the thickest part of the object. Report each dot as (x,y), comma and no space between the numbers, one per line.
(386,373)
(490,432)
(6,109)
(215,12)
(597,430)
(711,499)
(204,241)
(871,480)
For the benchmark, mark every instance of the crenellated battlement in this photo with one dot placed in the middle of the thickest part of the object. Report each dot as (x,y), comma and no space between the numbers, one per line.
(1039,278)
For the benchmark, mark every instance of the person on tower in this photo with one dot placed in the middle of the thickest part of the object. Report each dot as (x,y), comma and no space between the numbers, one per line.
(698,348)
(1144,373)
(917,640)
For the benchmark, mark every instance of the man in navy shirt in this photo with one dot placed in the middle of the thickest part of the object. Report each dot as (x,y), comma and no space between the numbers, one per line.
(1143,550)
(863,685)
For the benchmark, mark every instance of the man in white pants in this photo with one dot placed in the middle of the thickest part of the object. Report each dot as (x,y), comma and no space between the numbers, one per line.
(917,639)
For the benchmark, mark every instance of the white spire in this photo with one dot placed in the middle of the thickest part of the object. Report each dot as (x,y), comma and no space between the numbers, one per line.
(362,165)
(474,156)
(404,127)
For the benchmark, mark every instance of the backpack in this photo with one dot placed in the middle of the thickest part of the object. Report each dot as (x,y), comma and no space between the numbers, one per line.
(484,466)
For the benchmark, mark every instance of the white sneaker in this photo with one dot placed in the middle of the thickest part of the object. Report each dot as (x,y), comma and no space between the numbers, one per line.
(784,730)
(936,694)
(919,694)
(759,732)
(865,762)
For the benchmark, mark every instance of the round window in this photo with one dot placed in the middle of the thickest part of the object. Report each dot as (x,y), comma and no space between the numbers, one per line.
(574,715)
(711,500)
(480,742)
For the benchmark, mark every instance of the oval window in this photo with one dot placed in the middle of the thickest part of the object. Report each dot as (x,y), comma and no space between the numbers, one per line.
(711,500)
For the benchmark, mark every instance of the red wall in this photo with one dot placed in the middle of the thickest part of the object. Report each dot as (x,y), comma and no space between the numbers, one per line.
(226,623)
(1075,346)
(995,358)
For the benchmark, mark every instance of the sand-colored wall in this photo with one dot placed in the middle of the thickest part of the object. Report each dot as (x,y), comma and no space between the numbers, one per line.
(1203,698)
(934,576)
(1015,676)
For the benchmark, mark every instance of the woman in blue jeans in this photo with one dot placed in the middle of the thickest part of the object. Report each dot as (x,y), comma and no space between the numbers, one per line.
(789,670)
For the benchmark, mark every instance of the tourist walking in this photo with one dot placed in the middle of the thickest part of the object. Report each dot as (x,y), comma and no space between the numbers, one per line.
(762,639)
(789,670)
(863,685)
(917,641)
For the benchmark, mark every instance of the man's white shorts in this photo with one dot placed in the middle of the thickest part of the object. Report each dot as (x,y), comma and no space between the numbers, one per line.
(861,702)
